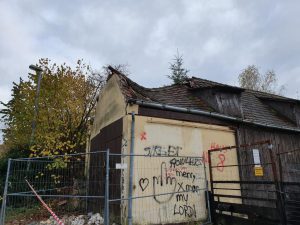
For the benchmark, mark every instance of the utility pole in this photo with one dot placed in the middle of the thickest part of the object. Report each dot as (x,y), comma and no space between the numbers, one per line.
(1,129)
(38,71)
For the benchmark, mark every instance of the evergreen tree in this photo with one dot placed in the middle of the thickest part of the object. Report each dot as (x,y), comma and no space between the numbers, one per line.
(178,72)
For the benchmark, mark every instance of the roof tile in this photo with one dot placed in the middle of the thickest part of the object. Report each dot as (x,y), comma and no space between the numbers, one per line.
(253,108)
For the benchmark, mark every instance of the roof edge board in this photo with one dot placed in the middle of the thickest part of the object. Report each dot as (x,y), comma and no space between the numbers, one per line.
(283,99)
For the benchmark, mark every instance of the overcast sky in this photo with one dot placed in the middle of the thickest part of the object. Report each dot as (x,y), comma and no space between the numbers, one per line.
(217,38)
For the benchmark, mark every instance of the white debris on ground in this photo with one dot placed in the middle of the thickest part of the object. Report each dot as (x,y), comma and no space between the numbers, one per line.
(90,219)
(96,219)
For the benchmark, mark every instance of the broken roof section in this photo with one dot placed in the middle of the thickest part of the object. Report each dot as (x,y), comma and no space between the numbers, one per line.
(209,96)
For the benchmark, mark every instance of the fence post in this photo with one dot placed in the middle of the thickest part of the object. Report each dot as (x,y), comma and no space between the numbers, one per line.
(131,170)
(281,187)
(279,203)
(106,200)
(207,194)
(212,198)
(3,208)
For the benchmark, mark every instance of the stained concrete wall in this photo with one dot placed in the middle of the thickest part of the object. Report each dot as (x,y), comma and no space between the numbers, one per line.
(110,107)
(177,171)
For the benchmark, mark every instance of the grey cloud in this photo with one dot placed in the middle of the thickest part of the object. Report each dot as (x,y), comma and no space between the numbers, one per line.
(217,38)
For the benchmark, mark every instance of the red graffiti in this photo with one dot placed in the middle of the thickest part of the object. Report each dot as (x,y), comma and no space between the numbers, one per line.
(221,156)
(220,165)
(215,146)
(171,172)
(143,136)
(205,157)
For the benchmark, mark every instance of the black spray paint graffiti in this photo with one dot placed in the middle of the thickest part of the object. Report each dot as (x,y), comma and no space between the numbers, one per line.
(185,210)
(188,188)
(144,182)
(158,150)
(182,197)
(177,178)
(188,175)
(186,161)
(124,145)
(164,181)
(158,182)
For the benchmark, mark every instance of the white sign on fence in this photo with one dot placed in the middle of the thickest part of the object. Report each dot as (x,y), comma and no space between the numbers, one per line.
(256,157)
(121,166)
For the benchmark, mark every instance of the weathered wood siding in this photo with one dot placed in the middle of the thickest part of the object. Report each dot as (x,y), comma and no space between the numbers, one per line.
(282,141)
(227,103)
(287,110)
(110,137)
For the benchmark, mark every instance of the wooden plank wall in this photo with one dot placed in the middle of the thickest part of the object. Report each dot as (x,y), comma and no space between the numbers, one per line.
(282,141)
(110,137)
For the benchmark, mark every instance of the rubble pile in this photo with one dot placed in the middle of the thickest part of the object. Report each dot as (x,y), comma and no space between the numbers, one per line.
(90,219)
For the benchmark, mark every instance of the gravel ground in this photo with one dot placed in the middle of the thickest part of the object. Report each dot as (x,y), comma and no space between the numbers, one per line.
(91,219)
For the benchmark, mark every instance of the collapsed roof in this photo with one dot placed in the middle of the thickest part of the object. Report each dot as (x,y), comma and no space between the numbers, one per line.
(200,94)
